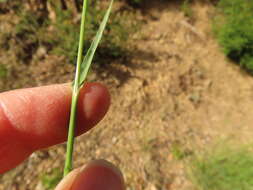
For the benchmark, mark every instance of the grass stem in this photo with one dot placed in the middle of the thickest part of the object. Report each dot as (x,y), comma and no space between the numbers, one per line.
(72,123)
(82,68)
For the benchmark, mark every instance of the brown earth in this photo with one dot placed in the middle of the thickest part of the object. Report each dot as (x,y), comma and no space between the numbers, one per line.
(178,90)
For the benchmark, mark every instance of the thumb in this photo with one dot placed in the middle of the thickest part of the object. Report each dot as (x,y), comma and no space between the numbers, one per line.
(97,175)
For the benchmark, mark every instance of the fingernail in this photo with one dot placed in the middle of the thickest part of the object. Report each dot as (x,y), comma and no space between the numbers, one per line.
(99,175)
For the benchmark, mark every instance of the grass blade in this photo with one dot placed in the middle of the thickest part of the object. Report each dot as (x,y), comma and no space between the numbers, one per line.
(82,69)
(91,52)
(75,94)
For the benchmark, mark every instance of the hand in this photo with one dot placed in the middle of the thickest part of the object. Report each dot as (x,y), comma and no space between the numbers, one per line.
(36,118)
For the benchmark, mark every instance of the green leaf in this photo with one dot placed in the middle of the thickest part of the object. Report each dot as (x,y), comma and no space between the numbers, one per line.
(91,52)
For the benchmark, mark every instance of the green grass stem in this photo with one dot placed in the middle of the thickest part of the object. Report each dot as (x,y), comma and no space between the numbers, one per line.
(70,143)
(82,68)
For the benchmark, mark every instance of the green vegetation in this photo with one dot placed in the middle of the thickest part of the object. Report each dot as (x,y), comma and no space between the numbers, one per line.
(82,68)
(3,71)
(66,40)
(38,28)
(186,8)
(234,29)
(49,181)
(178,152)
(29,33)
(223,168)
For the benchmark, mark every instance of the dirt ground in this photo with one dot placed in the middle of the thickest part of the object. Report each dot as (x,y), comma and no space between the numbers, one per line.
(178,89)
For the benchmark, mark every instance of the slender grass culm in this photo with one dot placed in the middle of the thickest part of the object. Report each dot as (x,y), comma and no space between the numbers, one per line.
(82,68)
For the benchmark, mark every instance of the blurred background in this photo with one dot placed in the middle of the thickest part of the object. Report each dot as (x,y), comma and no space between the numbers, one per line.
(180,76)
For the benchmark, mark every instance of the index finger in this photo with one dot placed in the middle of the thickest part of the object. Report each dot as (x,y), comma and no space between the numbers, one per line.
(31,119)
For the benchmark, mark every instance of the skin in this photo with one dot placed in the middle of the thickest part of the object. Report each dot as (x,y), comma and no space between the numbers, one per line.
(36,118)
